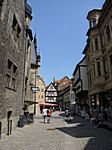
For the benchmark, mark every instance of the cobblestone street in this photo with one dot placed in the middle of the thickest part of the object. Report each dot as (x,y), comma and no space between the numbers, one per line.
(58,135)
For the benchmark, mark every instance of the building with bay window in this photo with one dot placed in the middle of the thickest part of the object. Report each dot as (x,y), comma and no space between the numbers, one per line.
(98,52)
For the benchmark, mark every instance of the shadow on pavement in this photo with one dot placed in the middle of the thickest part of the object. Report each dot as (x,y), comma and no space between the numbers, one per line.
(96,144)
(98,138)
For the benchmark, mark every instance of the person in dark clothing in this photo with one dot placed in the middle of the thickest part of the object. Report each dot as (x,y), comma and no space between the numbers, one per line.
(48,116)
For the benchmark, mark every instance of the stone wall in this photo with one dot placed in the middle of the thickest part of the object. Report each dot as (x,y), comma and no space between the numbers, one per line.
(12,39)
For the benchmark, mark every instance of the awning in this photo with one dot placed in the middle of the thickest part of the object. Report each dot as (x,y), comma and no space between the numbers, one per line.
(48,104)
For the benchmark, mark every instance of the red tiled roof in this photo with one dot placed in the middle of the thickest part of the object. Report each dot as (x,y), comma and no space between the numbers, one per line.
(62,80)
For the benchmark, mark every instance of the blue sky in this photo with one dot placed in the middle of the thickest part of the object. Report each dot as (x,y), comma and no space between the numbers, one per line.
(61,28)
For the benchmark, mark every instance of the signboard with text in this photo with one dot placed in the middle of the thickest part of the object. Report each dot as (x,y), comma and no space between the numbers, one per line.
(35,89)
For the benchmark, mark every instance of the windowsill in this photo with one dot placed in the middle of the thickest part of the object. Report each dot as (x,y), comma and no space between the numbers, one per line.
(11,89)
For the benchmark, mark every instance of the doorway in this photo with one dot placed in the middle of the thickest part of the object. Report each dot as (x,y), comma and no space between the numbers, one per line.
(9,123)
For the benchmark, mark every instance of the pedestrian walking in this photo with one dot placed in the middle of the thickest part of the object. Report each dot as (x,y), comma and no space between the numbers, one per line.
(48,116)
(44,114)
(66,113)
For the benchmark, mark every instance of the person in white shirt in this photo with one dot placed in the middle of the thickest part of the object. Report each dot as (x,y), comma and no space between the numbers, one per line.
(44,114)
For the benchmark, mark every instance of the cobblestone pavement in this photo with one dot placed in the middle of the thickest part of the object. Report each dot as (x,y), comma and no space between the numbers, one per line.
(58,135)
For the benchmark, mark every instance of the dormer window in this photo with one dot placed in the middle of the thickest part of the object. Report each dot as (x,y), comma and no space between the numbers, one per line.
(93,22)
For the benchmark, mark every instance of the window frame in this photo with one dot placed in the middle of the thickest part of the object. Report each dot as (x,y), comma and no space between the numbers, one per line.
(96,42)
(99,68)
(11,75)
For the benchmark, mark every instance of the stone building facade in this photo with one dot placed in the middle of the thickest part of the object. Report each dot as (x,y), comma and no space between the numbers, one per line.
(98,53)
(32,77)
(28,49)
(36,81)
(12,63)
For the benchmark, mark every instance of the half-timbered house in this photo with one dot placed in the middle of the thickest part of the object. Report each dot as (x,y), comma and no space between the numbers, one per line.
(51,93)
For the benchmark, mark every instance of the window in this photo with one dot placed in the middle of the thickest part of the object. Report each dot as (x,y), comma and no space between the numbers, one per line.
(8,81)
(13,84)
(14,24)
(14,69)
(42,90)
(1,4)
(108,32)
(90,24)
(16,28)
(94,22)
(106,69)
(111,59)
(99,68)
(96,44)
(9,64)
(18,31)
(11,76)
